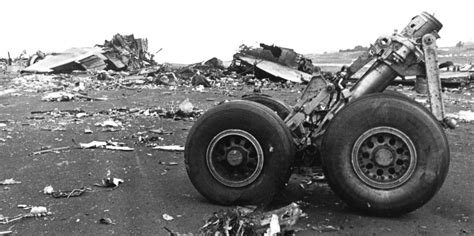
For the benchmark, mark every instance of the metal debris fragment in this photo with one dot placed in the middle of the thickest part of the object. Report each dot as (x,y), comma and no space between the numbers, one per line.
(172,148)
(106,221)
(167,217)
(56,150)
(9,182)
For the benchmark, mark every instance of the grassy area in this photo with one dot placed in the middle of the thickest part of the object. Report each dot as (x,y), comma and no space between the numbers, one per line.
(335,60)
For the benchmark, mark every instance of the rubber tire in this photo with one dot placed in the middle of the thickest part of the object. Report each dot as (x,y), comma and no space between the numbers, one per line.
(395,111)
(281,108)
(396,93)
(270,131)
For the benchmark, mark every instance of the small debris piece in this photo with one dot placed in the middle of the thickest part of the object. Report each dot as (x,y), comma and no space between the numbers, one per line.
(109,182)
(51,150)
(119,148)
(34,212)
(88,131)
(110,129)
(463,116)
(167,217)
(288,215)
(173,148)
(160,131)
(186,106)
(9,182)
(48,190)
(106,221)
(109,123)
(200,80)
(93,144)
(325,228)
(274,228)
(107,145)
(70,193)
(8,232)
(58,97)
(38,210)
(171,163)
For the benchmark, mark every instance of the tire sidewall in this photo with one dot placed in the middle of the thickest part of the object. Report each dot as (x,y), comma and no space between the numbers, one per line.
(282,109)
(255,119)
(400,113)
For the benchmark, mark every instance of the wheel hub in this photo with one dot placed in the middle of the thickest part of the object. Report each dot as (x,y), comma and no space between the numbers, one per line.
(235,158)
(384,157)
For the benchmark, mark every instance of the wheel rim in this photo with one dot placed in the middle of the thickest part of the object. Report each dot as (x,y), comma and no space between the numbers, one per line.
(384,157)
(235,158)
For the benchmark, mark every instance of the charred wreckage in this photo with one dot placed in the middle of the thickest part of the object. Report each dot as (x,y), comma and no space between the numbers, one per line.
(381,152)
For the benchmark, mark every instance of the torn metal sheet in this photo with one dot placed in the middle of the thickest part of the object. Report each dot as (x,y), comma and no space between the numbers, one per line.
(277,70)
(69,60)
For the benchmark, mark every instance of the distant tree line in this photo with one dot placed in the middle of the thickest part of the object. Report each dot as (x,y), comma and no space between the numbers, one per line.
(357,48)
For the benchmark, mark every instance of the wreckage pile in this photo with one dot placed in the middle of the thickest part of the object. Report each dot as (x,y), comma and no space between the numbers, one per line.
(200,75)
(126,61)
(274,62)
(122,53)
(126,52)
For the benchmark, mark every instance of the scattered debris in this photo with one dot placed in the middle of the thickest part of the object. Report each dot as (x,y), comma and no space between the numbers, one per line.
(160,131)
(106,221)
(36,211)
(244,221)
(325,228)
(109,123)
(9,182)
(110,145)
(69,193)
(109,182)
(66,96)
(58,97)
(172,148)
(186,106)
(167,217)
(463,116)
(274,228)
(93,144)
(119,148)
(55,150)
(171,163)
(48,190)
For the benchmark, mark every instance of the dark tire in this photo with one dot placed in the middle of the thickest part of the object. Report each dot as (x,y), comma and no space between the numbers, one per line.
(282,109)
(239,152)
(385,154)
(396,93)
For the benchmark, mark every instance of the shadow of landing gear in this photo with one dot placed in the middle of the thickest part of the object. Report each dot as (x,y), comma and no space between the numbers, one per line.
(309,194)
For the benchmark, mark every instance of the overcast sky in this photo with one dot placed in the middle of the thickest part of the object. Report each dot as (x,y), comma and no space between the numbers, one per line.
(195,30)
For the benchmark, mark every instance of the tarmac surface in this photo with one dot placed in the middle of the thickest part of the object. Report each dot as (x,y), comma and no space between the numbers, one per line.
(153,187)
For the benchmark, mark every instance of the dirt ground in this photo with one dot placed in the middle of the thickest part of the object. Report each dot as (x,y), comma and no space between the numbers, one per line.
(151,188)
